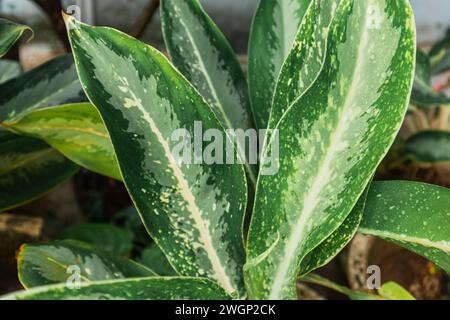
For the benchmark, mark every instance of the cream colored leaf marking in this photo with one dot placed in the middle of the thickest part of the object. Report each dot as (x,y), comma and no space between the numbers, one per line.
(205,237)
(440,245)
(218,103)
(310,203)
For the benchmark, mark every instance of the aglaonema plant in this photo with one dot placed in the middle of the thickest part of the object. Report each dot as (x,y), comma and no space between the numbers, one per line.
(333,89)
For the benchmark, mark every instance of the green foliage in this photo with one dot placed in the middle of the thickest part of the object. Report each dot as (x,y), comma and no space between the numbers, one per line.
(44,264)
(29,169)
(107,237)
(311,77)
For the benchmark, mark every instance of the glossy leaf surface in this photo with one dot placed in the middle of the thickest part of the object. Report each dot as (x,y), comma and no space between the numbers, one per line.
(107,237)
(29,168)
(76,130)
(331,141)
(53,83)
(274,29)
(413,215)
(44,264)
(193,212)
(10,32)
(423,92)
(129,289)
(429,146)
(305,60)
(440,56)
(337,241)
(9,70)
(201,53)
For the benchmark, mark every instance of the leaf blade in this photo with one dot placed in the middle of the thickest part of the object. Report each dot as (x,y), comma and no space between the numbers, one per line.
(272,35)
(75,130)
(201,52)
(209,233)
(326,162)
(129,289)
(29,169)
(45,264)
(10,32)
(413,215)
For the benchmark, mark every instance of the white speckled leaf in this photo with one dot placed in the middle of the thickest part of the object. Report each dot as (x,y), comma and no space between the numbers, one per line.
(305,60)
(52,263)
(201,52)
(413,215)
(129,289)
(10,32)
(274,28)
(193,212)
(331,141)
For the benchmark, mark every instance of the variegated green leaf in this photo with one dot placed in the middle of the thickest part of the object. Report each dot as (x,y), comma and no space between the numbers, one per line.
(201,52)
(305,60)
(44,264)
(53,83)
(429,146)
(393,291)
(9,70)
(10,32)
(413,215)
(29,169)
(337,241)
(128,289)
(76,130)
(115,240)
(423,93)
(331,141)
(274,28)
(440,56)
(154,258)
(194,212)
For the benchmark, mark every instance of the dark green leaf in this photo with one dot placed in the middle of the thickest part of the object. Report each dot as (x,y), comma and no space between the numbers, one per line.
(274,28)
(440,56)
(155,259)
(201,52)
(413,215)
(76,130)
(429,146)
(329,248)
(194,212)
(305,59)
(28,169)
(115,240)
(9,70)
(53,83)
(331,141)
(10,32)
(59,262)
(129,289)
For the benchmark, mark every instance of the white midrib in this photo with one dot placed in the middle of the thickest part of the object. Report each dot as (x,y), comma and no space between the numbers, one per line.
(312,199)
(205,237)
(441,245)
(221,109)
